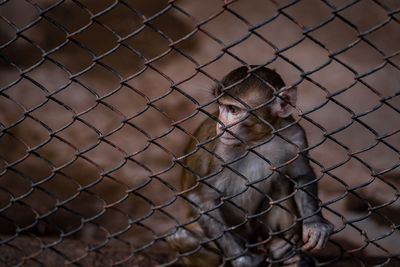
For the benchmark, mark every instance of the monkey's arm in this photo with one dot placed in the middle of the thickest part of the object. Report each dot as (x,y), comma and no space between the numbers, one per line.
(316,229)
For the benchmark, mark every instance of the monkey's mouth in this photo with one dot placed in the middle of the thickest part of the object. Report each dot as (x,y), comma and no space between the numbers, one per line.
(228,140)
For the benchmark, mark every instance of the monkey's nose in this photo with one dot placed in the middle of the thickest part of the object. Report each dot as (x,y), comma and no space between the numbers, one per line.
(219,128)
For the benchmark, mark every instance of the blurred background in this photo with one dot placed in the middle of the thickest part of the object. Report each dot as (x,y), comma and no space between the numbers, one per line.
(98,99)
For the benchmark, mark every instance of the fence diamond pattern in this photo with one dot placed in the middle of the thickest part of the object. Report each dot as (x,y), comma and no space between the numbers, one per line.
(99,98)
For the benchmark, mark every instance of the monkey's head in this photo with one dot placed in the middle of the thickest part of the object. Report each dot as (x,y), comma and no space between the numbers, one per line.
(249,98)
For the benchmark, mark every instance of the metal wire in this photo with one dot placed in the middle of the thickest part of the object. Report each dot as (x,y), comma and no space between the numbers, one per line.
(98,99)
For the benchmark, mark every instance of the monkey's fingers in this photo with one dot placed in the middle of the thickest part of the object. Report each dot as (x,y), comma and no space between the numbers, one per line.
(306,234)
(322,240)
(312,240)
(280,247)
(278,243)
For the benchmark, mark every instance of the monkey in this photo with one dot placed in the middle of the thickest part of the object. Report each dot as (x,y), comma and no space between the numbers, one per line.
(248,180)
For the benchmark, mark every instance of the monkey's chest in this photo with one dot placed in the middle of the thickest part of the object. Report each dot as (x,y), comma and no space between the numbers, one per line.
(250,182)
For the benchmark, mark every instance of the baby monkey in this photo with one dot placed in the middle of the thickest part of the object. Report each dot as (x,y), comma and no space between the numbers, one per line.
(248,180)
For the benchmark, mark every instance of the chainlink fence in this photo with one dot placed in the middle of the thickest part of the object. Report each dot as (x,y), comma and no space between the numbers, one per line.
(99,98)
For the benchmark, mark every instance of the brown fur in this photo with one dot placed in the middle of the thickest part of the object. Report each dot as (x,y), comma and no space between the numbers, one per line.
(239,196)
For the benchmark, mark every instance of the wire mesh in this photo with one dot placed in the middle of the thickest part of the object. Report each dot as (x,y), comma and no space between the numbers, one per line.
(99,98)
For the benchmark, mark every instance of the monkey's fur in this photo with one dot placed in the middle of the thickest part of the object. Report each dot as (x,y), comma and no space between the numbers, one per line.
(246,187)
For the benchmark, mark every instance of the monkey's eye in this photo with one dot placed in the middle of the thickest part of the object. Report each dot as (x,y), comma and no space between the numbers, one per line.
(233,109)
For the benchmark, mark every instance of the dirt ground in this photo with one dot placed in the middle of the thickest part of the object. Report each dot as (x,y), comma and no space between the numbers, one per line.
(25,251)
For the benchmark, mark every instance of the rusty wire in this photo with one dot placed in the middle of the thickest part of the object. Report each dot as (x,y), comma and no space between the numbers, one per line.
(56,209)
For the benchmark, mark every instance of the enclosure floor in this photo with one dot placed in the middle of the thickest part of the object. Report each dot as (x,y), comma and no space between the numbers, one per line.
(25,251)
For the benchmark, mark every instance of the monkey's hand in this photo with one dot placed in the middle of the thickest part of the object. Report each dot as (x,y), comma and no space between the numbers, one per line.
(250,260)
(316,231)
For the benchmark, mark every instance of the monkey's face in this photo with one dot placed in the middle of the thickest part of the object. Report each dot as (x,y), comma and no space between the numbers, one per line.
(237,124)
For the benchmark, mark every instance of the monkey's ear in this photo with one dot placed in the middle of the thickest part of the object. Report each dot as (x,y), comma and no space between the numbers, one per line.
(284,103)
